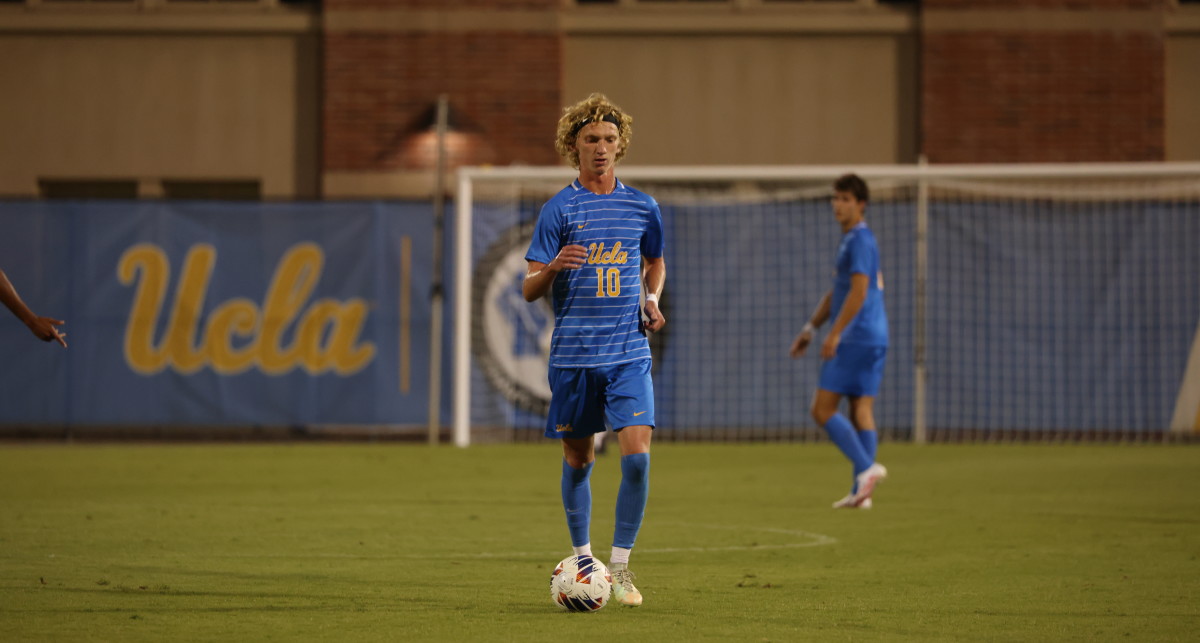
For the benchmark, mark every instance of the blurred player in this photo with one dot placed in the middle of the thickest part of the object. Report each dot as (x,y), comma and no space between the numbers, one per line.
(597,243)
(856,344)
(599,443)
(45,328)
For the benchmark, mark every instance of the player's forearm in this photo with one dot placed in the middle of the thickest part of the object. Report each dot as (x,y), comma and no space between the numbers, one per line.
(537,282)
(821,314)
(13,302)
(654,277)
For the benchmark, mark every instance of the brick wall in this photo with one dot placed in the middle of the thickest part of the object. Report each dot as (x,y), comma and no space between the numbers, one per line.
(441,4)
(379,84)
(1074,88)
(1000,80)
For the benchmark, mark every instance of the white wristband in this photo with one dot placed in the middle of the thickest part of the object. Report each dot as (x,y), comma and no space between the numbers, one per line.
(809,328)
(652,297)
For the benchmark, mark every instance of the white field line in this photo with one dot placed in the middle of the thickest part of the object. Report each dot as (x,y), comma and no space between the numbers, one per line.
(804,539)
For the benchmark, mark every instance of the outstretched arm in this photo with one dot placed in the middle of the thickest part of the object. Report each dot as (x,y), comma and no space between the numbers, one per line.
(43,327)
(800,344)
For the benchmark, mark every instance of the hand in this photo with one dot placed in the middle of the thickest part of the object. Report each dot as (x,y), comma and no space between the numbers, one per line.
(569,258)
(45,329)
(800,344)
(654,317)
(830,345)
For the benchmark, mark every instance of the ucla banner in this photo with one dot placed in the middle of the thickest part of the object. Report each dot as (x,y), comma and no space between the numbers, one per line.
(208,314)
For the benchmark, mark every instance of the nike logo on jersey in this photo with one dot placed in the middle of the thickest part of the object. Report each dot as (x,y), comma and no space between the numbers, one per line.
(581,225)
(638,413)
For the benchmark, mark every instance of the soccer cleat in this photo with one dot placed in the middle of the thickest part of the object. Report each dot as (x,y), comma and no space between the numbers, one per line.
(849,503)
(867,481)
(623,590)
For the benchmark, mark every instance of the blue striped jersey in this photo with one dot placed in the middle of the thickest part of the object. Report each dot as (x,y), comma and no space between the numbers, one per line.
(859,254)
(596,308)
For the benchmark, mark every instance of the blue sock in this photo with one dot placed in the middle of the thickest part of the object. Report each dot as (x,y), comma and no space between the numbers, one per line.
(843,435)
(631,498)
(870,444)
(577,501)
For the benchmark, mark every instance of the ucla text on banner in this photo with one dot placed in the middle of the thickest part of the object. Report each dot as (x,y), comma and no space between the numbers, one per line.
(219,314)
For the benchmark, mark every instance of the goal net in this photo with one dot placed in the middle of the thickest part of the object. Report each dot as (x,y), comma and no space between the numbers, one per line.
(1022,300)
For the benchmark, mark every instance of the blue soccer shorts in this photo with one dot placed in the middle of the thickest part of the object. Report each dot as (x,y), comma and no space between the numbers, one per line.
(584,401)
(855,370)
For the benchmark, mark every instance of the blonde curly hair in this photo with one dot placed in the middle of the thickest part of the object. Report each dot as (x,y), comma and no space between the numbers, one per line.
(592,109)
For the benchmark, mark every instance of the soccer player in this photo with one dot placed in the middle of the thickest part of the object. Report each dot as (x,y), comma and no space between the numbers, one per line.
(856,344)
(44,328)
(598,245)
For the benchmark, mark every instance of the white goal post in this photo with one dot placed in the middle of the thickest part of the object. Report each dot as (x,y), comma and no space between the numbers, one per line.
(1003,238)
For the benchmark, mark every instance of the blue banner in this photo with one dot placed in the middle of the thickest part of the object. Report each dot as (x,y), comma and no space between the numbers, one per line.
(1039,315)
(205,314)
(307,314)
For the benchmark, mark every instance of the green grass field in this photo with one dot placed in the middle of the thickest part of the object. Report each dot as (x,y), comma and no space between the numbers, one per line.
(404,542)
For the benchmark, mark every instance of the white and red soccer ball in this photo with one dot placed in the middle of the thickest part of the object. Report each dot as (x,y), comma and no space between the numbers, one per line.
(580,584)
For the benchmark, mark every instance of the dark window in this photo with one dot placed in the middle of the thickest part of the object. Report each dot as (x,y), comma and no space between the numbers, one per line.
(87,189)
(235,190)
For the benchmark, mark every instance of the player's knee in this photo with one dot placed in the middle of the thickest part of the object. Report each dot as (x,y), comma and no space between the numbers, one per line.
(635,468)
(576,461)
(578,453)
(576,474)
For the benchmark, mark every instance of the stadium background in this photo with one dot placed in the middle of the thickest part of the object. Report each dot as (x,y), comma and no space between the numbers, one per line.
(168,128)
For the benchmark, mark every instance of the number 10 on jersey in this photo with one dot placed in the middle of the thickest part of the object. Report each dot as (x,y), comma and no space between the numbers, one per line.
(608,283)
